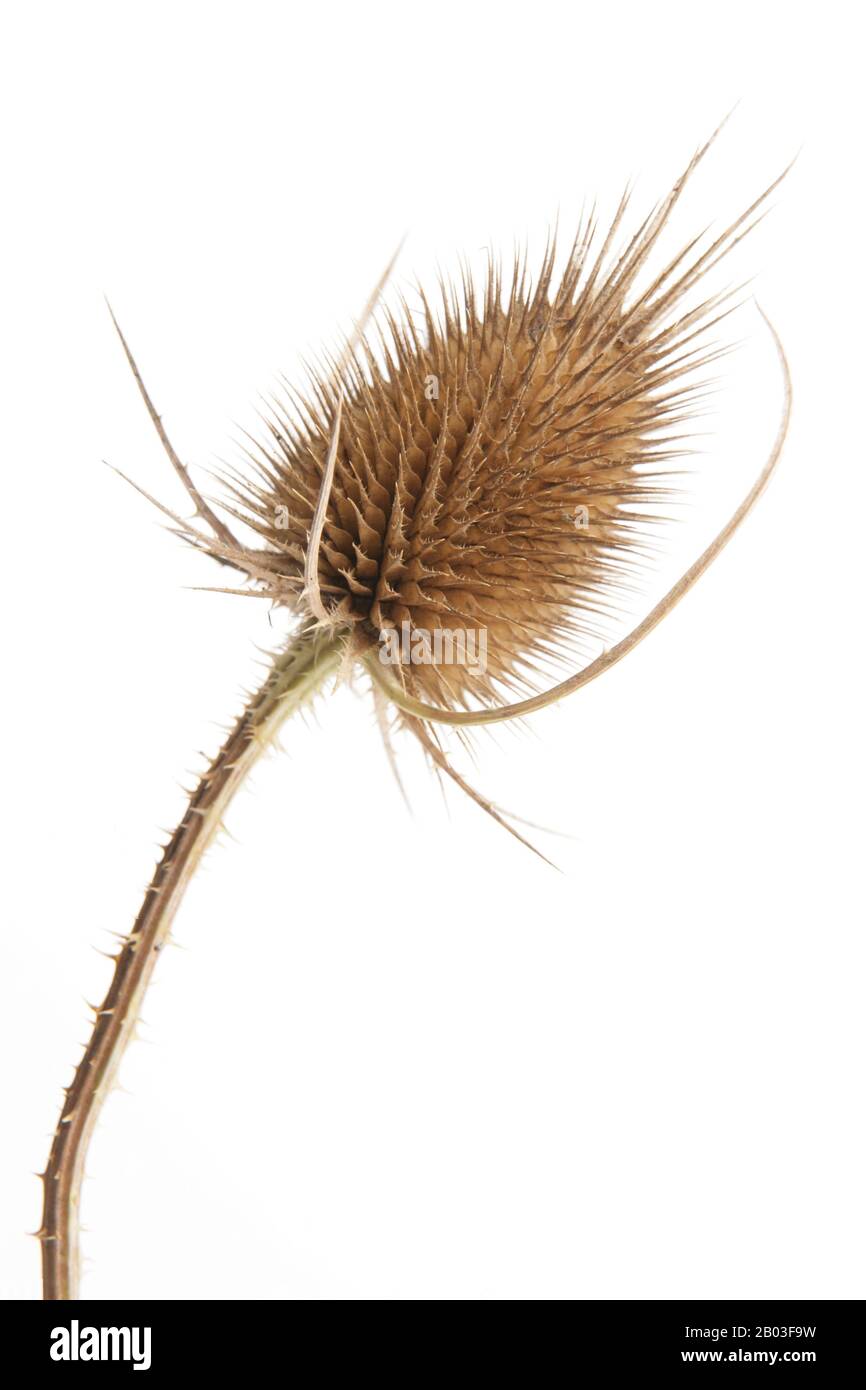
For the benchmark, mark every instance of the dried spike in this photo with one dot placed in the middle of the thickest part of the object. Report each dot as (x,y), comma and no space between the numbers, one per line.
(206,513)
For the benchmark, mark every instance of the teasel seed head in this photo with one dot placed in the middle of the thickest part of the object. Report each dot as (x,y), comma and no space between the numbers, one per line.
(493,464)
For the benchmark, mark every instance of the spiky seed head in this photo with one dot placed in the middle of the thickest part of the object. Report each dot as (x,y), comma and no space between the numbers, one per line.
(495,459)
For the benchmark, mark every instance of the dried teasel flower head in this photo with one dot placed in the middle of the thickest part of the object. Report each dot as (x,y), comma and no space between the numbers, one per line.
(487,468)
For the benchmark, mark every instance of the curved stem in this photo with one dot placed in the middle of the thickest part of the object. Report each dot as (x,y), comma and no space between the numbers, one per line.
(294,678)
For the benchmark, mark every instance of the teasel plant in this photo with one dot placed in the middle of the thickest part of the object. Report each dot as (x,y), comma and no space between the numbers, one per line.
(495,462)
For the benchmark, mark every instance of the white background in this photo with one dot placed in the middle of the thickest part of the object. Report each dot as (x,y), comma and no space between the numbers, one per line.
(400,1057)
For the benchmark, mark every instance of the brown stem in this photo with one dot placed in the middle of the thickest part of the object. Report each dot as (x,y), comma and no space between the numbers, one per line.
(293,679)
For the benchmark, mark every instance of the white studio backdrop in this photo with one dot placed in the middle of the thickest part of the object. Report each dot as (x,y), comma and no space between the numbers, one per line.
(399,1057)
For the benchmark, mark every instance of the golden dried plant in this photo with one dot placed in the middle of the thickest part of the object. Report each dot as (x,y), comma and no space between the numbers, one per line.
(493,468)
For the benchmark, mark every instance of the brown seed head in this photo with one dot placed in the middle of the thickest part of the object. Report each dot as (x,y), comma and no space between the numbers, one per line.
(495,457)
(484,472)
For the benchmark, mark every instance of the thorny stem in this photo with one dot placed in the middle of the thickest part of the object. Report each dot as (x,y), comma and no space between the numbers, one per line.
(294,678)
